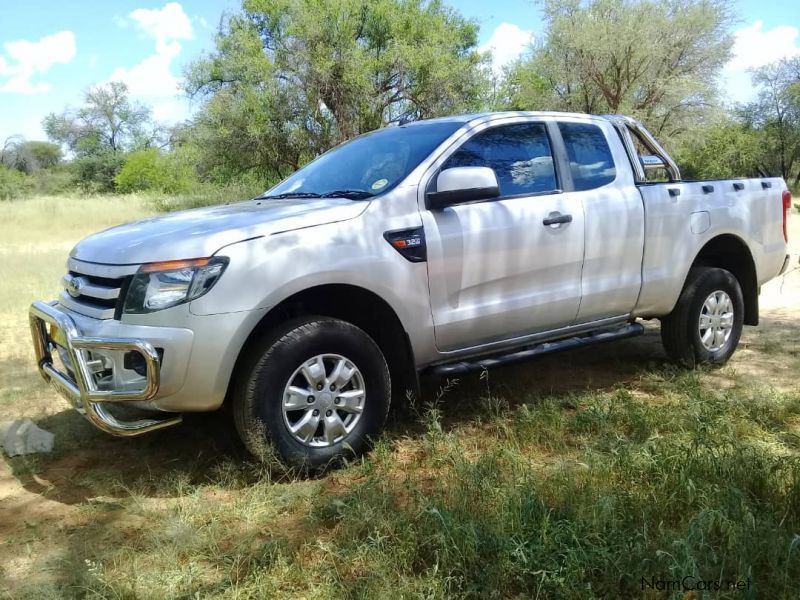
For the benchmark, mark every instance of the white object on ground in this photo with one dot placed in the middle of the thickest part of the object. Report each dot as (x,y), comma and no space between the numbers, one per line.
(24,437)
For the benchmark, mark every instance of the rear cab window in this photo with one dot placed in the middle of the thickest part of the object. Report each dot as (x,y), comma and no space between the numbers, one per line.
(519,154)
(590,160)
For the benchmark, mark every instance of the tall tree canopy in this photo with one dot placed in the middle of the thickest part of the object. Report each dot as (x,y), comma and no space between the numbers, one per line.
(290,78)
(29,157)
(108,121)
(657,60)
(776,113)
(101,131)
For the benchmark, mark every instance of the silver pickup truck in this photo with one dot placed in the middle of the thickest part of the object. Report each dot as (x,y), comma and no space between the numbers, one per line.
(446,246)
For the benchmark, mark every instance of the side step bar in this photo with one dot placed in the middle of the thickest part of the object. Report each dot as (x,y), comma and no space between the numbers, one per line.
(479,364)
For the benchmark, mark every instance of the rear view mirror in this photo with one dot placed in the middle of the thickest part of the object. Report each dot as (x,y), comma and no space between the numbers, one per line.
(463,184)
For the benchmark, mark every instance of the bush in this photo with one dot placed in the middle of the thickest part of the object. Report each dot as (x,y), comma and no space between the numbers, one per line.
(150,170)
(57,180)
(721,152)
(96,172)
(206,194)
(14,184)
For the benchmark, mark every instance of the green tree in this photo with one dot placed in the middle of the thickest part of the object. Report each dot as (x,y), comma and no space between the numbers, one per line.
(101,131)
(45,155)
(776,113)
(654,59)
(291,78)
(29,157)
(722,151)
(108,121)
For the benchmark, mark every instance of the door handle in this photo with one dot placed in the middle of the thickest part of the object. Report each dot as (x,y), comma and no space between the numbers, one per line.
(557,219)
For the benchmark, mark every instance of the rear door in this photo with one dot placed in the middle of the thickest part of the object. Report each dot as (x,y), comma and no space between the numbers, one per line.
(496,269)
(603,182)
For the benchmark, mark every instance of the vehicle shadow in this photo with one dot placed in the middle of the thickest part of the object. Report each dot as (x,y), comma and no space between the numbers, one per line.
(599,368)
(92,483)
(87,463)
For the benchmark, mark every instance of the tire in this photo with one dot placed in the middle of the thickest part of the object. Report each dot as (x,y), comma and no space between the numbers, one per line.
(683,334)
(327,427)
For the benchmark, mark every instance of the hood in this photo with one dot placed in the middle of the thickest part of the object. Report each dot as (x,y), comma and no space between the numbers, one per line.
(201,232)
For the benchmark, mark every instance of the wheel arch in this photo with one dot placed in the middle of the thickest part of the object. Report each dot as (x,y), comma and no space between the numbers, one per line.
(357,305)
(728,251)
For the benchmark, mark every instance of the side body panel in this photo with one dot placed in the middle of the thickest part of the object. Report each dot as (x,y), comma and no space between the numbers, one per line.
(678,226)
(273,268)
(495,271)
(614,234)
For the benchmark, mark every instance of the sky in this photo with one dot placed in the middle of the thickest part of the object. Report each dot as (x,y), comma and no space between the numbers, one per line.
(51,52)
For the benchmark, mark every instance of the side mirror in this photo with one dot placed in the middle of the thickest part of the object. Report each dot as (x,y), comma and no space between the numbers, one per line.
(463,184)
(652,163)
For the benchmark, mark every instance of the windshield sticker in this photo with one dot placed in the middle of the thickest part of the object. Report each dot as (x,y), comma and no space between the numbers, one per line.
(379,184)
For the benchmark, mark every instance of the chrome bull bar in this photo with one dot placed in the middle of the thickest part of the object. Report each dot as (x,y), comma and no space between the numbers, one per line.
(81,390)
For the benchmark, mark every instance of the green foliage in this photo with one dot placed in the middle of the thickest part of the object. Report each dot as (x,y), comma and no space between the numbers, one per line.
(208,193)
(98,133)
(14,184)
(666,491)
(776,112)
(108,121)
(566,495)
(291,78)
(29,157)
(96,172)
(657,60)
(45,155)
(722,152)
(151,170)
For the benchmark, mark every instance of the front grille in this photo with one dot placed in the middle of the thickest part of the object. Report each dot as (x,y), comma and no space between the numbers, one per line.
(93,289)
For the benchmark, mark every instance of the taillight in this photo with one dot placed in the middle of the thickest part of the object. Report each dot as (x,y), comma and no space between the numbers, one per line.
(787,205)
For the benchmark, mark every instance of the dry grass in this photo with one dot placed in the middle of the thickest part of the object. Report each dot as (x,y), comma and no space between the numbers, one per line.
(572,476)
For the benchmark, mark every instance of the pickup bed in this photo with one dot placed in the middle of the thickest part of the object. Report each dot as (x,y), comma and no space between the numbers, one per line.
(441,246)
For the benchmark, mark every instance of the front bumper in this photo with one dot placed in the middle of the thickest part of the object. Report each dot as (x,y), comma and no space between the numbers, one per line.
(77,381)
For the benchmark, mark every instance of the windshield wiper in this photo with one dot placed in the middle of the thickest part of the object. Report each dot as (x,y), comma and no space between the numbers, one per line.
(290,195)
(351,194)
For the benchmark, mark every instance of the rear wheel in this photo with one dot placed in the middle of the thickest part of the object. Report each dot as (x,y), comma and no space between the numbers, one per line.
(317,391)
(706,323)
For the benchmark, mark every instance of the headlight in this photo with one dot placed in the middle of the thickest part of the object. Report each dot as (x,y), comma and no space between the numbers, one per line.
(160,285)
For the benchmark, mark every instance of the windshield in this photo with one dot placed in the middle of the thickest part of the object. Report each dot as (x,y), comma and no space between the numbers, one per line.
(367,165)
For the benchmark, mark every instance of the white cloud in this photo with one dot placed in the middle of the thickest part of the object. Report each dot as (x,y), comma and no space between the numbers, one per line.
(153,76)
(28,59)
(507,43)
(755,47)
(164,24)
(170,110)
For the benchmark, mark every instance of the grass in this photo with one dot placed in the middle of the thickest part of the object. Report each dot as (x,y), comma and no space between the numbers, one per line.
(575,476)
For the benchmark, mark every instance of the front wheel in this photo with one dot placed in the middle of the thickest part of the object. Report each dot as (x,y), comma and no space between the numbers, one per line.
(706,323)
(317,391)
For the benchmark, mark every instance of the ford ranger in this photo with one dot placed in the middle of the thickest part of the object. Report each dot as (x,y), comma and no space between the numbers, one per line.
(441,246)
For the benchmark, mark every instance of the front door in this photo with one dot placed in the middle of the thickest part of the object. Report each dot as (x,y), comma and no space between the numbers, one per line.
(501,268)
